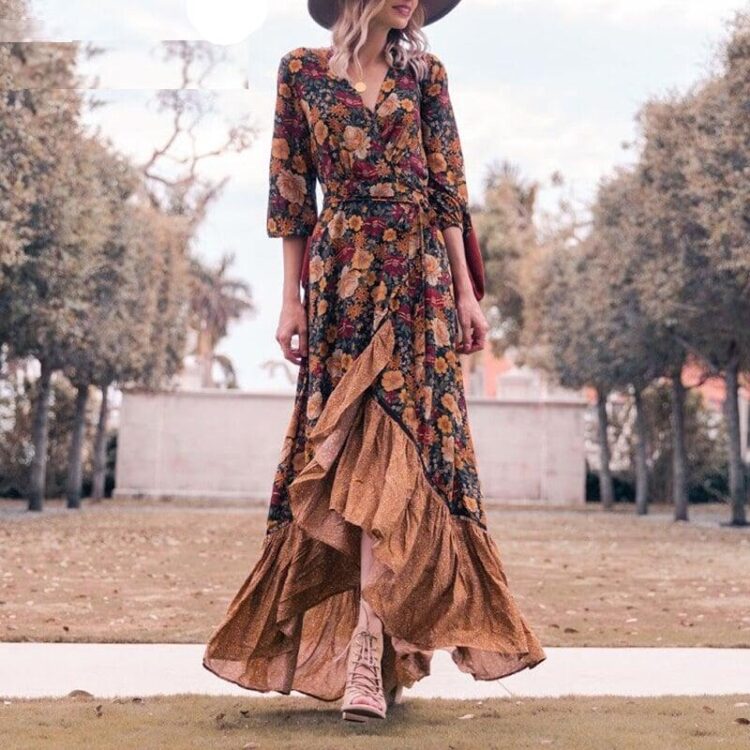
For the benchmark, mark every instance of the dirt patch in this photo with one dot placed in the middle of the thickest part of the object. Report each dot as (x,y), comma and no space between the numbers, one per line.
(147,571)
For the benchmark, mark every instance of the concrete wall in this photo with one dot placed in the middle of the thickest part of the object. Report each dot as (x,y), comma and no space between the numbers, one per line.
(214,443)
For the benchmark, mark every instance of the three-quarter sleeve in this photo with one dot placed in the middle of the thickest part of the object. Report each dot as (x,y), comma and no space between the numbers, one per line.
(292,204)
(446,187)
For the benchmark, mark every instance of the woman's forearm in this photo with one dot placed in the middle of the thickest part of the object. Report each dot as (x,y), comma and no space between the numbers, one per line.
(454,243)
(293,248)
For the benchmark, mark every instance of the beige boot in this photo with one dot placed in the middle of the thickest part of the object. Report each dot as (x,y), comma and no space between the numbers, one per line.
(363,696)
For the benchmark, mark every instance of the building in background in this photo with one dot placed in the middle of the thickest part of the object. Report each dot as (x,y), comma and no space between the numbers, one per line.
(213,442)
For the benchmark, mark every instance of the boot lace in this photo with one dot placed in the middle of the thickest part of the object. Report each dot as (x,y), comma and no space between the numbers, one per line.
(365,674)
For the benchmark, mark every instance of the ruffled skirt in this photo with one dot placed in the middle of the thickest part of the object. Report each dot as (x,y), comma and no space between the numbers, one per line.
(438,582)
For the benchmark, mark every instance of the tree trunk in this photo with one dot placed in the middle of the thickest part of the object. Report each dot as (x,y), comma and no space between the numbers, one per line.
(736,464)
(75,452)
(606,488)
(641,456)
(679,450)
(205,352)
(39,438)
(100,448)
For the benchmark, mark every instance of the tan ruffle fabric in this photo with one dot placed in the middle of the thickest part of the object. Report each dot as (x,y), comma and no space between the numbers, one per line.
(437,582)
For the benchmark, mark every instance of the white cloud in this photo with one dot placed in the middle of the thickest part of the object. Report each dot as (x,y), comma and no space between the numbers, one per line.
(65,20)
(139,65)
(698,13)
(498,123)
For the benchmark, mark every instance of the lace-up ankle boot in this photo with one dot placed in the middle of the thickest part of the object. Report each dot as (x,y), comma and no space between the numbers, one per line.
(363,696)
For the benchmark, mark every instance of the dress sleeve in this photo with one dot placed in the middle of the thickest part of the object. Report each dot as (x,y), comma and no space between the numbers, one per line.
(446,187)
(292,207)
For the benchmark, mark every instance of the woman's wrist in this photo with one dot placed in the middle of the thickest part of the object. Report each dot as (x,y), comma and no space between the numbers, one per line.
(462,288)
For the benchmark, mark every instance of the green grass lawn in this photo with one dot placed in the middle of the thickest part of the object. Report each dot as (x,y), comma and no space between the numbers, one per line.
(182,722)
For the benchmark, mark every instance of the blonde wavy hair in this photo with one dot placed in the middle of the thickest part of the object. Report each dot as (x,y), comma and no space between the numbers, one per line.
(404,47)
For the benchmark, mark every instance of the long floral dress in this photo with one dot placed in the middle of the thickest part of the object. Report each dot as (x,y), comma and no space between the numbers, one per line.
(379,437)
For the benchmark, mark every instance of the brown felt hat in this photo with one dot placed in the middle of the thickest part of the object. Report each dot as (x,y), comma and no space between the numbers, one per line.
(325,12)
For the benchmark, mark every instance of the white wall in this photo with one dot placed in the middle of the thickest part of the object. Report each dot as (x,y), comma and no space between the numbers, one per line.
(214,443)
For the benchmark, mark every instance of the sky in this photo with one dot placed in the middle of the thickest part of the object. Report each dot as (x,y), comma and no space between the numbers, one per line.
(550,85)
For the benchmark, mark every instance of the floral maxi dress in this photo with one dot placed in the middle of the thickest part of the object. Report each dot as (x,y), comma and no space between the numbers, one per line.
(379,436)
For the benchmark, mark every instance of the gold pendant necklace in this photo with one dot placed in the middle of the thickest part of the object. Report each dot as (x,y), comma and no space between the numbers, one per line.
(360,85)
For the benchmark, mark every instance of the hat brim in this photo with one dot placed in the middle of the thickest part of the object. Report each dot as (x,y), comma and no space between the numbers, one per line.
(325,12)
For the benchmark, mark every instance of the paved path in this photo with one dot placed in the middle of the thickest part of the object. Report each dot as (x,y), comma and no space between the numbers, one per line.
(108,670)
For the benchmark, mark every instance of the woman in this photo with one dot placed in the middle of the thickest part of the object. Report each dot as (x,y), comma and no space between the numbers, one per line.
(377,546)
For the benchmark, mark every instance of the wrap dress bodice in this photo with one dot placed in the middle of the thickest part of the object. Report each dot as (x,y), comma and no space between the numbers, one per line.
(408,145)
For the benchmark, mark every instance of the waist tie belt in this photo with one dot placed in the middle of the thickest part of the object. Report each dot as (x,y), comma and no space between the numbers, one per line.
(383,190)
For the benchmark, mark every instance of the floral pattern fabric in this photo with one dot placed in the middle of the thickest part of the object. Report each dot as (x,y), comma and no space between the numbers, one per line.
(392,179)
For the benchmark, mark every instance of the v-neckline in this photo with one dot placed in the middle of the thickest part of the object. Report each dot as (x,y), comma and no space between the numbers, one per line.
(381,91)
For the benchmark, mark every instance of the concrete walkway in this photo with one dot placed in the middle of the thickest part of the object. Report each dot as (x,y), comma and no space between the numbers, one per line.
(108,670)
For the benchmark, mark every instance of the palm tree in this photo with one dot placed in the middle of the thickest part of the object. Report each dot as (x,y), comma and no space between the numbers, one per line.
(215,301)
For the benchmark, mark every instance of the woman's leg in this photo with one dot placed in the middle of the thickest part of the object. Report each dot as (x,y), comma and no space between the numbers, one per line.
(365,610)
(368,620)
(366,613)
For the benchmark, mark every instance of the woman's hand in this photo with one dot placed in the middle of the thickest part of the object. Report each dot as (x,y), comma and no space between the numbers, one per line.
(473,324)
(293,320)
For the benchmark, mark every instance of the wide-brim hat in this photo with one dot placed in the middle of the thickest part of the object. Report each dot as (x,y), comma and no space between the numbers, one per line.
(325,12)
